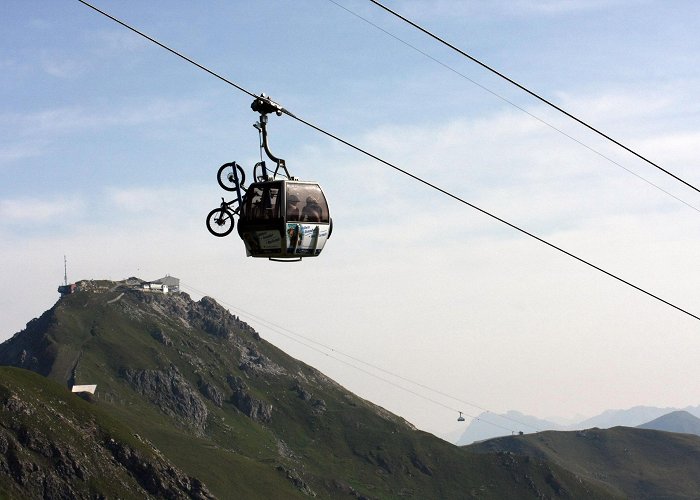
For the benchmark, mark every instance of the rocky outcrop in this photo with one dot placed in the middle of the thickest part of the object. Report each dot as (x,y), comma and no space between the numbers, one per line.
(294,478)
(212,393)
(160,480)
(169,391)
(318,406)
(206,315)
(253,362)
(30,474)
(53,448)
(161,337)
(420,465)
(256,409)
(31,348)
(44,469)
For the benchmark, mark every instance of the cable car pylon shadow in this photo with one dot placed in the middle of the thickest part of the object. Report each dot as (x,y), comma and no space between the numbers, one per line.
(281,218)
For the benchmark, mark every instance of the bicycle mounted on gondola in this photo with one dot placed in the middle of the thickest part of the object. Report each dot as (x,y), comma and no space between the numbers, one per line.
(281,217)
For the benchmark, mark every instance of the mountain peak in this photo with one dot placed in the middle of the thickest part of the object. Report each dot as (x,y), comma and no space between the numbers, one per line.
(675,421)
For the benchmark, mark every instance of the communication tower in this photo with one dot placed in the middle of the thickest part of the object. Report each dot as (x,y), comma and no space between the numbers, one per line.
(66,289)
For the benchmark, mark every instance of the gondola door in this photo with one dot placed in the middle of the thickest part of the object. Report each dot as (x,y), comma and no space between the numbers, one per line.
(262,221)
(308,222)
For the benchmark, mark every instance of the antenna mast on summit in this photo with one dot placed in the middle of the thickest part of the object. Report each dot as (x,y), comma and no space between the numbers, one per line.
(65,271)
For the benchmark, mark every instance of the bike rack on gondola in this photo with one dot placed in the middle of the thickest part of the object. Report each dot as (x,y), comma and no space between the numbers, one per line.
(281,217)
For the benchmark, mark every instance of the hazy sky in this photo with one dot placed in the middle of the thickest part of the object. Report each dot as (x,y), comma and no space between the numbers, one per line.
(110,147)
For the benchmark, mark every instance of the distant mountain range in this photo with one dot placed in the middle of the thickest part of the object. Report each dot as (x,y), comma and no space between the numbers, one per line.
(489,425)
(678,421)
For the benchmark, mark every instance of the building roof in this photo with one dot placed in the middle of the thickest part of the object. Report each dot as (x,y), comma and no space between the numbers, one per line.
(84,388)
(170,281)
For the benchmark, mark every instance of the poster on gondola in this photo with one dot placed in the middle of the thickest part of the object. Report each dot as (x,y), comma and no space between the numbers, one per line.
(306,239)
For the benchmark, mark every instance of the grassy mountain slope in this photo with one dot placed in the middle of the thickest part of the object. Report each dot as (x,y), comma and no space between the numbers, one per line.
(634,463)
(232,410)
(55,445)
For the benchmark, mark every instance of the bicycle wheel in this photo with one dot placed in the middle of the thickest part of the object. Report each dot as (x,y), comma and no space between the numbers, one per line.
(220,222)
(226,177)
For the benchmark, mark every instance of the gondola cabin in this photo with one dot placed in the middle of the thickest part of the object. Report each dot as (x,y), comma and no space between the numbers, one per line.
(284,219)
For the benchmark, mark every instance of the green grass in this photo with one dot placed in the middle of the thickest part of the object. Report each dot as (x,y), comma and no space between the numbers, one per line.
(630,462)
(49,414)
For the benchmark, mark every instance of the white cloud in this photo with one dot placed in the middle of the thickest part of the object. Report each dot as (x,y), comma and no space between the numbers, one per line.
(512,151)
(116,40)
(8,64)
(136,199)
(161,204)
(678,149)
(456,8)
(641,105)
(34,210)
(69,119)
(559,6)
(19,151)
(62,67)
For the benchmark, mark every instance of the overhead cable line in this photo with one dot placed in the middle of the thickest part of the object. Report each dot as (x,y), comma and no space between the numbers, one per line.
(493,216)
(178,54)
(292,336)
(346,363)
(508,101)
(409,174)
(276,328)
(533,94)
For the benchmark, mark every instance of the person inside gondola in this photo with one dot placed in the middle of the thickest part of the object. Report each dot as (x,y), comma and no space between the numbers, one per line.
(292,207)
(312,211)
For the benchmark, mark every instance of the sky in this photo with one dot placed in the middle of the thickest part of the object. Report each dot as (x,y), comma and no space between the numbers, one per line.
(110,147)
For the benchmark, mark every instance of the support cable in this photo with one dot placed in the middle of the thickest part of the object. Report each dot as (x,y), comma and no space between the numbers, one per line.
(520,108)
(292,336)
(276,328)
(178,54)
(533,94)
(493,216)
(405,172)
